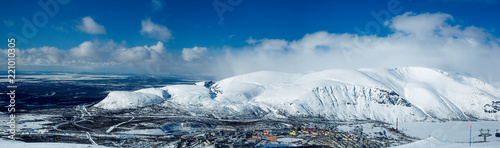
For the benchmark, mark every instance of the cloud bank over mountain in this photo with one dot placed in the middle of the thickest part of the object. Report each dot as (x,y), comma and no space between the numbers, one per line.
(427,39)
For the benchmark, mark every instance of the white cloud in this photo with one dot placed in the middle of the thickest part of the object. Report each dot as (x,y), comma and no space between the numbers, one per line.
(420,25)
(251,40)
(141,54)
(427,39)
(85,49)
(88,25)
(93,49)
(159,47)
(107,56)
(157,5)
(312,42)
(271,45)
(432,40)
(152,30)
(41,56)
(93,53)
(190,54)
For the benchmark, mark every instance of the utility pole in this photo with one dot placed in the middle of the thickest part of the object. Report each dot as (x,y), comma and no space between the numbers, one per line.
(397,125)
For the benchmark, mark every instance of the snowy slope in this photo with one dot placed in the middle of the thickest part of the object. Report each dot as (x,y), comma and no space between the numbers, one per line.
(140,98)
(409,93)
(432,142)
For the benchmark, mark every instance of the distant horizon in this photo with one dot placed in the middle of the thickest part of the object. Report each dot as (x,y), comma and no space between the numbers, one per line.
(212,78)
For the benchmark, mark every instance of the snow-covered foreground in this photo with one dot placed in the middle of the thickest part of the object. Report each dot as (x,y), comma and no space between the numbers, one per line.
(453,131)
(454,134)
(18,144)
(409,94)
(432,142)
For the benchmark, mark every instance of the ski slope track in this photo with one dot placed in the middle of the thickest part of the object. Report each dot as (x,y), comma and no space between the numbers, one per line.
(407,93)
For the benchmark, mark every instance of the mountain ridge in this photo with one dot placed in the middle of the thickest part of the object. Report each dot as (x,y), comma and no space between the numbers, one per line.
(407,93)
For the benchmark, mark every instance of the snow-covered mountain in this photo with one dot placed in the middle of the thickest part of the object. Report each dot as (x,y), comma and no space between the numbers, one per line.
(409,93)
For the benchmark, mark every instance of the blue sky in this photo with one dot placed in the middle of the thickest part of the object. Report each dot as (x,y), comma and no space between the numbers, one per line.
(190,37)
(196,23)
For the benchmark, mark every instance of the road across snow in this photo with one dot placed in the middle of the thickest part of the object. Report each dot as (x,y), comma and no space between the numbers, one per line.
(115,126)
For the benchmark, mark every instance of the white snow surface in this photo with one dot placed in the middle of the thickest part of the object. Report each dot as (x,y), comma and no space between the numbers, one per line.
(288,140)
(432,142)
(453,131)
(125,99)
(408,93)
(19,144)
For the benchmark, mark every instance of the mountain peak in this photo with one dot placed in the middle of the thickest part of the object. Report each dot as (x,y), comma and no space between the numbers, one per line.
(407,93)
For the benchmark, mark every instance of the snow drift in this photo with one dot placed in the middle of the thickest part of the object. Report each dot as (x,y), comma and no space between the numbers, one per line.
(409,93)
